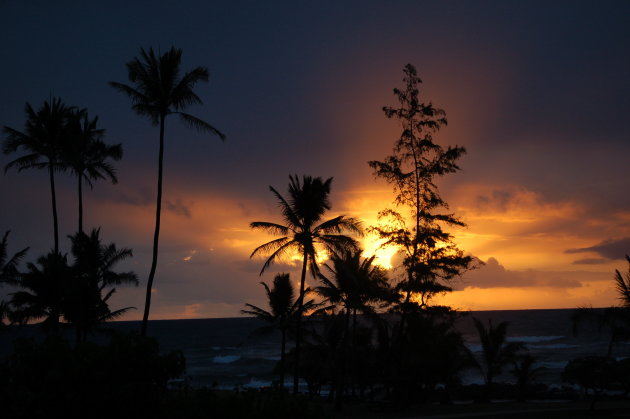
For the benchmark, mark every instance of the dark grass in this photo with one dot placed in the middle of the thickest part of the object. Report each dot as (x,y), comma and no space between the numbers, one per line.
(257,404)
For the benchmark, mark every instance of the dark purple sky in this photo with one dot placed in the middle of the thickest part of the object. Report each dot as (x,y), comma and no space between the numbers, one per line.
(538,92)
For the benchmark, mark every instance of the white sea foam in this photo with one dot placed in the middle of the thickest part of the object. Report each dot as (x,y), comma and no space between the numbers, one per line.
(254,383)
(554,364)
(474,347)
(225,359)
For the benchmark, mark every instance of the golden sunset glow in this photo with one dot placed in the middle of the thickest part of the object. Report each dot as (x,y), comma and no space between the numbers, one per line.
(372,246)
(542,186)
(513,226)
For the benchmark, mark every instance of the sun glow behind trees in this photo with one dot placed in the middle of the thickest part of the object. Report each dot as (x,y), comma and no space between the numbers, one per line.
(538,274)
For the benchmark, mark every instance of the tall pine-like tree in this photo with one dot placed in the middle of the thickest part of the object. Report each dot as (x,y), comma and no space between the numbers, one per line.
(416,224)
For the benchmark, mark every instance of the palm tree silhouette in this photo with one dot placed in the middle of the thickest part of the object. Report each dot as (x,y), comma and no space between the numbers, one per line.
(302,232)
(8,271)
(525,373)
(8,266)
(622,283)
(87,154)
(157,92)
(282,311)
(356,285)
(85,306)
(42,294)
(497,351)
(616,319)
(45,132)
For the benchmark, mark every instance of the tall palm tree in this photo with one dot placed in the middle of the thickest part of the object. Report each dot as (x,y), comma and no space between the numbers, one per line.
(497,352)
(85,304)
(303,230)
(45,132)
(159,91)
(281,313)
(87,155)
(43,288)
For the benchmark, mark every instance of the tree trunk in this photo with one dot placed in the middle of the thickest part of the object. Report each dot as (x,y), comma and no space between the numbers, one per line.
(282,351)
(51,171)
(156,235)
(341,367)
(298,334)
(80,203)
(353,360)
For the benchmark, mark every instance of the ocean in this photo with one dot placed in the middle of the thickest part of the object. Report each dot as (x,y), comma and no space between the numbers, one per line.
(230,353)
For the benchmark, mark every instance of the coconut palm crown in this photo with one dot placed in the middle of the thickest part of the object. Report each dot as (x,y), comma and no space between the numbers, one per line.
(87,156)
(43,139)
(304,230)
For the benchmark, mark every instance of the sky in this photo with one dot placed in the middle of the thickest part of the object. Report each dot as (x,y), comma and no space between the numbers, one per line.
(537,92)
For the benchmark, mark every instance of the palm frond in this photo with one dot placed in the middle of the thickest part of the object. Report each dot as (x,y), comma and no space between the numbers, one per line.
(116,314)
(183,94)
(271,246)
(339,224)
(272,228)
(30,161)
(623,285)
(135,95)
(288,212)
(200,125)
(258,312)
(338,243)
(9,268)
(280,252)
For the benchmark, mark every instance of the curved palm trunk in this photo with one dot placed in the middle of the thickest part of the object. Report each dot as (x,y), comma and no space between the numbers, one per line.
(298,334)
(51,172)
(156,235)
(80,203)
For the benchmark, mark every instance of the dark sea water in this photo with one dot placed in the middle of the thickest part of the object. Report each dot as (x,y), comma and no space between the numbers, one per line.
(230,352)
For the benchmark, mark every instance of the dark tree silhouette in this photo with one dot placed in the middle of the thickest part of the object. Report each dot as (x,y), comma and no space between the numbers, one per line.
(43,288)
(282,312)
(9,272)
(354,282)
(45,132)
(622,283)
(355,285)
(87,155)
(614,321)
(87,296)
(525,373)
(431,258)
(9,266)
(157,91)
(302,232)
(497,352)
